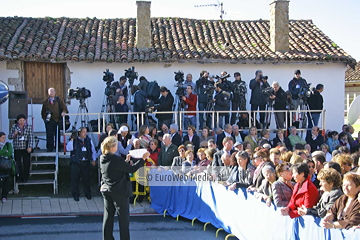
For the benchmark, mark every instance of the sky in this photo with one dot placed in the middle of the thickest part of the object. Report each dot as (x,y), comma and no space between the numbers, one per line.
(338,19)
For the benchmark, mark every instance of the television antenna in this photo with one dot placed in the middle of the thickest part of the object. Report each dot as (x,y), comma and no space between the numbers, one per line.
(217,5)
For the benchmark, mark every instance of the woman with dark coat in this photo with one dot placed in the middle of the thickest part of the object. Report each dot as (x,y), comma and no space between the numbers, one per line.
(116,188)
(281,140)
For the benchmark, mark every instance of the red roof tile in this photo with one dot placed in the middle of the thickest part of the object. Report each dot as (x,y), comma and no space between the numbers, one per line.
(173,39)
(353,74)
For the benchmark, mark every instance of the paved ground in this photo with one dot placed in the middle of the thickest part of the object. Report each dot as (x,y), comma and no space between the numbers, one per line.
(61,206)
(90,228)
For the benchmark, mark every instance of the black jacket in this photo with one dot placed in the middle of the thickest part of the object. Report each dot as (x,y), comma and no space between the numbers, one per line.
(140,101)
(288,145)
(115,173)
(315,144)
(295,86)
(166,157)
(257,96)
(195,141)
(117,95)
(165,105)
(236,86)
(176,139)
(219,140)
(201,89)
(280,100)
(316,101)
(222,101)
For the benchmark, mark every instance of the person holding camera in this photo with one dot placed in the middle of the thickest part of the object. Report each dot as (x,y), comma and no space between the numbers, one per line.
(164,104)
(53,109)
(227,85)
(222,103)
(120,89)
(140,101)
(202,86)
(82,155)
(279,98)
(190,100)
(258,98)
(315,102)
(143,83)
(296,85)
(238,101)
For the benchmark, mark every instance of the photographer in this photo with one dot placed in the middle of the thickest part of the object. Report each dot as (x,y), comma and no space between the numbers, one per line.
(139,100)
(190,101)
(143,83)
(203,95)
(315,102)
(238,101)
(295,87)
(279,98)
(227,85)
(258,98)
(52,110)
(189,82)
(120,89)
(164,104)
(82,155)
(222,103)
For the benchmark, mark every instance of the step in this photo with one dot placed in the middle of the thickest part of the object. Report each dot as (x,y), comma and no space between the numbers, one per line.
(48,171)
(38,182)
(48,162)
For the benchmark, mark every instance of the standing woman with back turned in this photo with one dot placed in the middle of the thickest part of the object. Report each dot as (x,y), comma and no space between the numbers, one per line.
(116,188)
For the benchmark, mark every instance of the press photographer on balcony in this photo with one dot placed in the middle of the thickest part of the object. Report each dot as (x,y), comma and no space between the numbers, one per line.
(258,98)
(222,103)
(202,86)
(120,89)
(164,104)
(238,101)
(279,97)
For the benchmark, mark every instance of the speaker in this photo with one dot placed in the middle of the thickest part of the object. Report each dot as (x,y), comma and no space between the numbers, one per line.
(18,104)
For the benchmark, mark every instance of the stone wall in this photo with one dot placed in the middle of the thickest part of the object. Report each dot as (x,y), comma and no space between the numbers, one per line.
(143,25)
(279,26)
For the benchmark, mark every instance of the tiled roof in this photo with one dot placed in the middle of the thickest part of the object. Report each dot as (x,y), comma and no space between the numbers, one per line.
(173,39)
(353,74)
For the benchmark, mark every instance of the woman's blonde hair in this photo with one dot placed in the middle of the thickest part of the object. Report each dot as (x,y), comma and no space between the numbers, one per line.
(107,144)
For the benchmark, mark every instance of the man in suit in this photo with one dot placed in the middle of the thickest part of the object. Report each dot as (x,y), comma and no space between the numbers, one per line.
(226,133)
(315,139)
(168,151)
(164,104)
(228,143)
(175,135)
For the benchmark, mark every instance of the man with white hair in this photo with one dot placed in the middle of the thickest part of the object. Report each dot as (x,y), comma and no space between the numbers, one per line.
(168,151)
(175,136)
(53,109)
(279,98)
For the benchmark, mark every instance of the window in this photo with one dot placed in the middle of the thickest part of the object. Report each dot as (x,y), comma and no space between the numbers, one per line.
(39,77)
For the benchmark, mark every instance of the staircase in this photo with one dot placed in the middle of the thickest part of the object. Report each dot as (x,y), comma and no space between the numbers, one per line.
(45,176)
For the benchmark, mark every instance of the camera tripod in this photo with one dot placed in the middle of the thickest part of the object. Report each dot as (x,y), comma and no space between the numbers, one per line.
(109,107)
(304,114)
(84,119)
(209,110)
(178,106)
(269,107)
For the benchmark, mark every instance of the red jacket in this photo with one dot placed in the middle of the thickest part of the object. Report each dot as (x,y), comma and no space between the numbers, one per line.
(191,103)
(154,155)
(308,195)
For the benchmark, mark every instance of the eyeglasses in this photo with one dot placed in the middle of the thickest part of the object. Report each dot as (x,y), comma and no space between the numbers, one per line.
(311,166)
(286,170)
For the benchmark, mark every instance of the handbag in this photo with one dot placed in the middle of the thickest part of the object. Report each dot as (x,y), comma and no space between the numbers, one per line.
(5,163)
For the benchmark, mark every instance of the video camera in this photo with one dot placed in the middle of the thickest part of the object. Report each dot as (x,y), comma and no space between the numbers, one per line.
(179,78)
(79,93)
(109,78)
(262,78)
(305,91)
(131,75)
(222,78)
(149,106)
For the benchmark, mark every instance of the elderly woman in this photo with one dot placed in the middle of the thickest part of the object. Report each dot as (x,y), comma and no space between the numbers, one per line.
(260,160)
(283,188)
(6,151)
(345,162)
(345,213)
(252,138)
(205,134)
(192,137)
(245,171)
(281,140)
(144,136)
(178,160)
(330,182)
(186,166)
(264,192)
(305,193)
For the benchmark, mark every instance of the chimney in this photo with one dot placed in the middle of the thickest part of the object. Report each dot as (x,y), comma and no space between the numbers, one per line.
(143,25)
(279,25)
